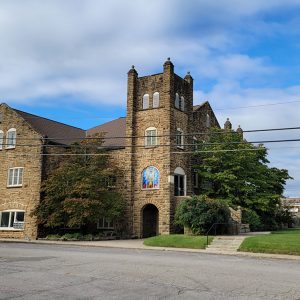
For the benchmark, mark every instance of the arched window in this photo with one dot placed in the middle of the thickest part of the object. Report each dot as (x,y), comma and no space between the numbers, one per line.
(1,139)
(176,100)
(11,138)
(182,106)
(150,178)
(179,182)
(150,137)
(179,138)
(155,100)
(146,101)
(207,120)
(195,143)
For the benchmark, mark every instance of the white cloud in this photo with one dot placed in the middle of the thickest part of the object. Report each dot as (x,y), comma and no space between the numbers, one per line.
(83,49)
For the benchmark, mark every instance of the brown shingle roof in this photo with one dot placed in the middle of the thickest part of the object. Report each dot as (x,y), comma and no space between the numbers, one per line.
(55,131)
(115,131)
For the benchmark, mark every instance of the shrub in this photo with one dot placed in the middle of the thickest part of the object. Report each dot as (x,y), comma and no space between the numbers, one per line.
(252,218)
(54,237)
(72,236)
(199,213)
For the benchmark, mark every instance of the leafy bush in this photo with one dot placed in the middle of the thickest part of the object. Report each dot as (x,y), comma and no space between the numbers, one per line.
(199,213)
(53,237)
(72,236)
(88,237)
(252,218)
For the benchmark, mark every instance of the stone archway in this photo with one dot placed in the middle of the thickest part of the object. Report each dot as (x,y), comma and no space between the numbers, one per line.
(150,220)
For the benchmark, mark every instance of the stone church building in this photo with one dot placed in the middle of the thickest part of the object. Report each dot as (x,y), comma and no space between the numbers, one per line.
(152,146)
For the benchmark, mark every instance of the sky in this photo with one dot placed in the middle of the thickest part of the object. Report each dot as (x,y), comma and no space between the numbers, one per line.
(68,61)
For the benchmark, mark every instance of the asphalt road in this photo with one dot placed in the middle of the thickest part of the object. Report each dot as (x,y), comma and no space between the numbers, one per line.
(64,272)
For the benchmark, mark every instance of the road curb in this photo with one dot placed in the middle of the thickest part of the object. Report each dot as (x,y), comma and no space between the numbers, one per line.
(185,250)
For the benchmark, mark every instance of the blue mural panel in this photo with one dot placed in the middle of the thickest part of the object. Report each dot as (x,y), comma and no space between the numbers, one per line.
(150,178)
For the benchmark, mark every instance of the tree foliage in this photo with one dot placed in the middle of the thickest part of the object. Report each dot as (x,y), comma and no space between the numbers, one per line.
(199,213)
(77,192)
(237,171)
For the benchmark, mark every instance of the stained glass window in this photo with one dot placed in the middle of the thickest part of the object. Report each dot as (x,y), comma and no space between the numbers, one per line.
(150,178)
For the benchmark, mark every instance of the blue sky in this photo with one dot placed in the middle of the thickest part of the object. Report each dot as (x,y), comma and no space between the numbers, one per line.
(67,60)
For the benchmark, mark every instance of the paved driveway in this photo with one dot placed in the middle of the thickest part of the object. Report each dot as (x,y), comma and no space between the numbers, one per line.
(34,271)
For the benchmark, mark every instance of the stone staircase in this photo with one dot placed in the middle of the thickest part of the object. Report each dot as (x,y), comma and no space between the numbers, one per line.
(225,244)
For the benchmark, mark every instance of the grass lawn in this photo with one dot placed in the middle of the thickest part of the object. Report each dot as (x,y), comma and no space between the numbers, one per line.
(280,242)
(177,241)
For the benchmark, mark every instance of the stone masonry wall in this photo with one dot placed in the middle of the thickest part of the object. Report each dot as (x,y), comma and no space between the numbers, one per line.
(26,197)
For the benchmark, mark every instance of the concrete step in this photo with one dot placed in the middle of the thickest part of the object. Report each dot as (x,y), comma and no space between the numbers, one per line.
(222,244)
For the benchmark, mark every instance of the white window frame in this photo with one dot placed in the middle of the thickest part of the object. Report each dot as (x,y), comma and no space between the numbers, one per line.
(155,100)
(179,135)
(179,171)
(8,139)
(177,100)
(20,224)
(153,138)
(102,222)
(1,139)
(145,103)
(182,103)
(19,182)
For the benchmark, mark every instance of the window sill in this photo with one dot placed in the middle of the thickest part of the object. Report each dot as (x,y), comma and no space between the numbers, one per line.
(180,147)
(151,147)
(9,148)
(10,229)
(14,186)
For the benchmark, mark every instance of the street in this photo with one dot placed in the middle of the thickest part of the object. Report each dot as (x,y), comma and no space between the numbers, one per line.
(70,272)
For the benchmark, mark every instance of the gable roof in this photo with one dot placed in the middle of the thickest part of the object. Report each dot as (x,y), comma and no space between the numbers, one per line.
(55,131)
(196,107)
(115,132)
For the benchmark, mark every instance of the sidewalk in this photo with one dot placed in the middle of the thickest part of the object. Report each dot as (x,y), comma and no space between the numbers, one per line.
(138,244)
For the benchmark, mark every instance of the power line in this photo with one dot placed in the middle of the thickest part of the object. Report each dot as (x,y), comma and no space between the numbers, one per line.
(259,105)
(207,133)
(154,146)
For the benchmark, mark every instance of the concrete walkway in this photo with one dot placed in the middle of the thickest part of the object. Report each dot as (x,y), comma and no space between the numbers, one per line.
(138,244)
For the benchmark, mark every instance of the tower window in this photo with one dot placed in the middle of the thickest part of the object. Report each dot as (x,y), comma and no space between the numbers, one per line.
(179,138)
(176,100)
(182,104)
(155,100)
(150,137)
(146,101)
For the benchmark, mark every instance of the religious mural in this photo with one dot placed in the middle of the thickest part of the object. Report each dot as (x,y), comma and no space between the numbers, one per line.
(150,178)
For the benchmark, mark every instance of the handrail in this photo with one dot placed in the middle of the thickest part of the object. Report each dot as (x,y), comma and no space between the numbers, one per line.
(215,227)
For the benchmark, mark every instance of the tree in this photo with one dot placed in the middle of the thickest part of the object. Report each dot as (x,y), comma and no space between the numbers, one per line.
(237,171)
(199,213)
(78,191)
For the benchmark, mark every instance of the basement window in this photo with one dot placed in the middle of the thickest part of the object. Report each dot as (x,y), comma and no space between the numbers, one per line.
(12,219)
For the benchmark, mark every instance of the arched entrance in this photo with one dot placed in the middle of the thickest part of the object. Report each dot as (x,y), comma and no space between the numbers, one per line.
(150,220)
